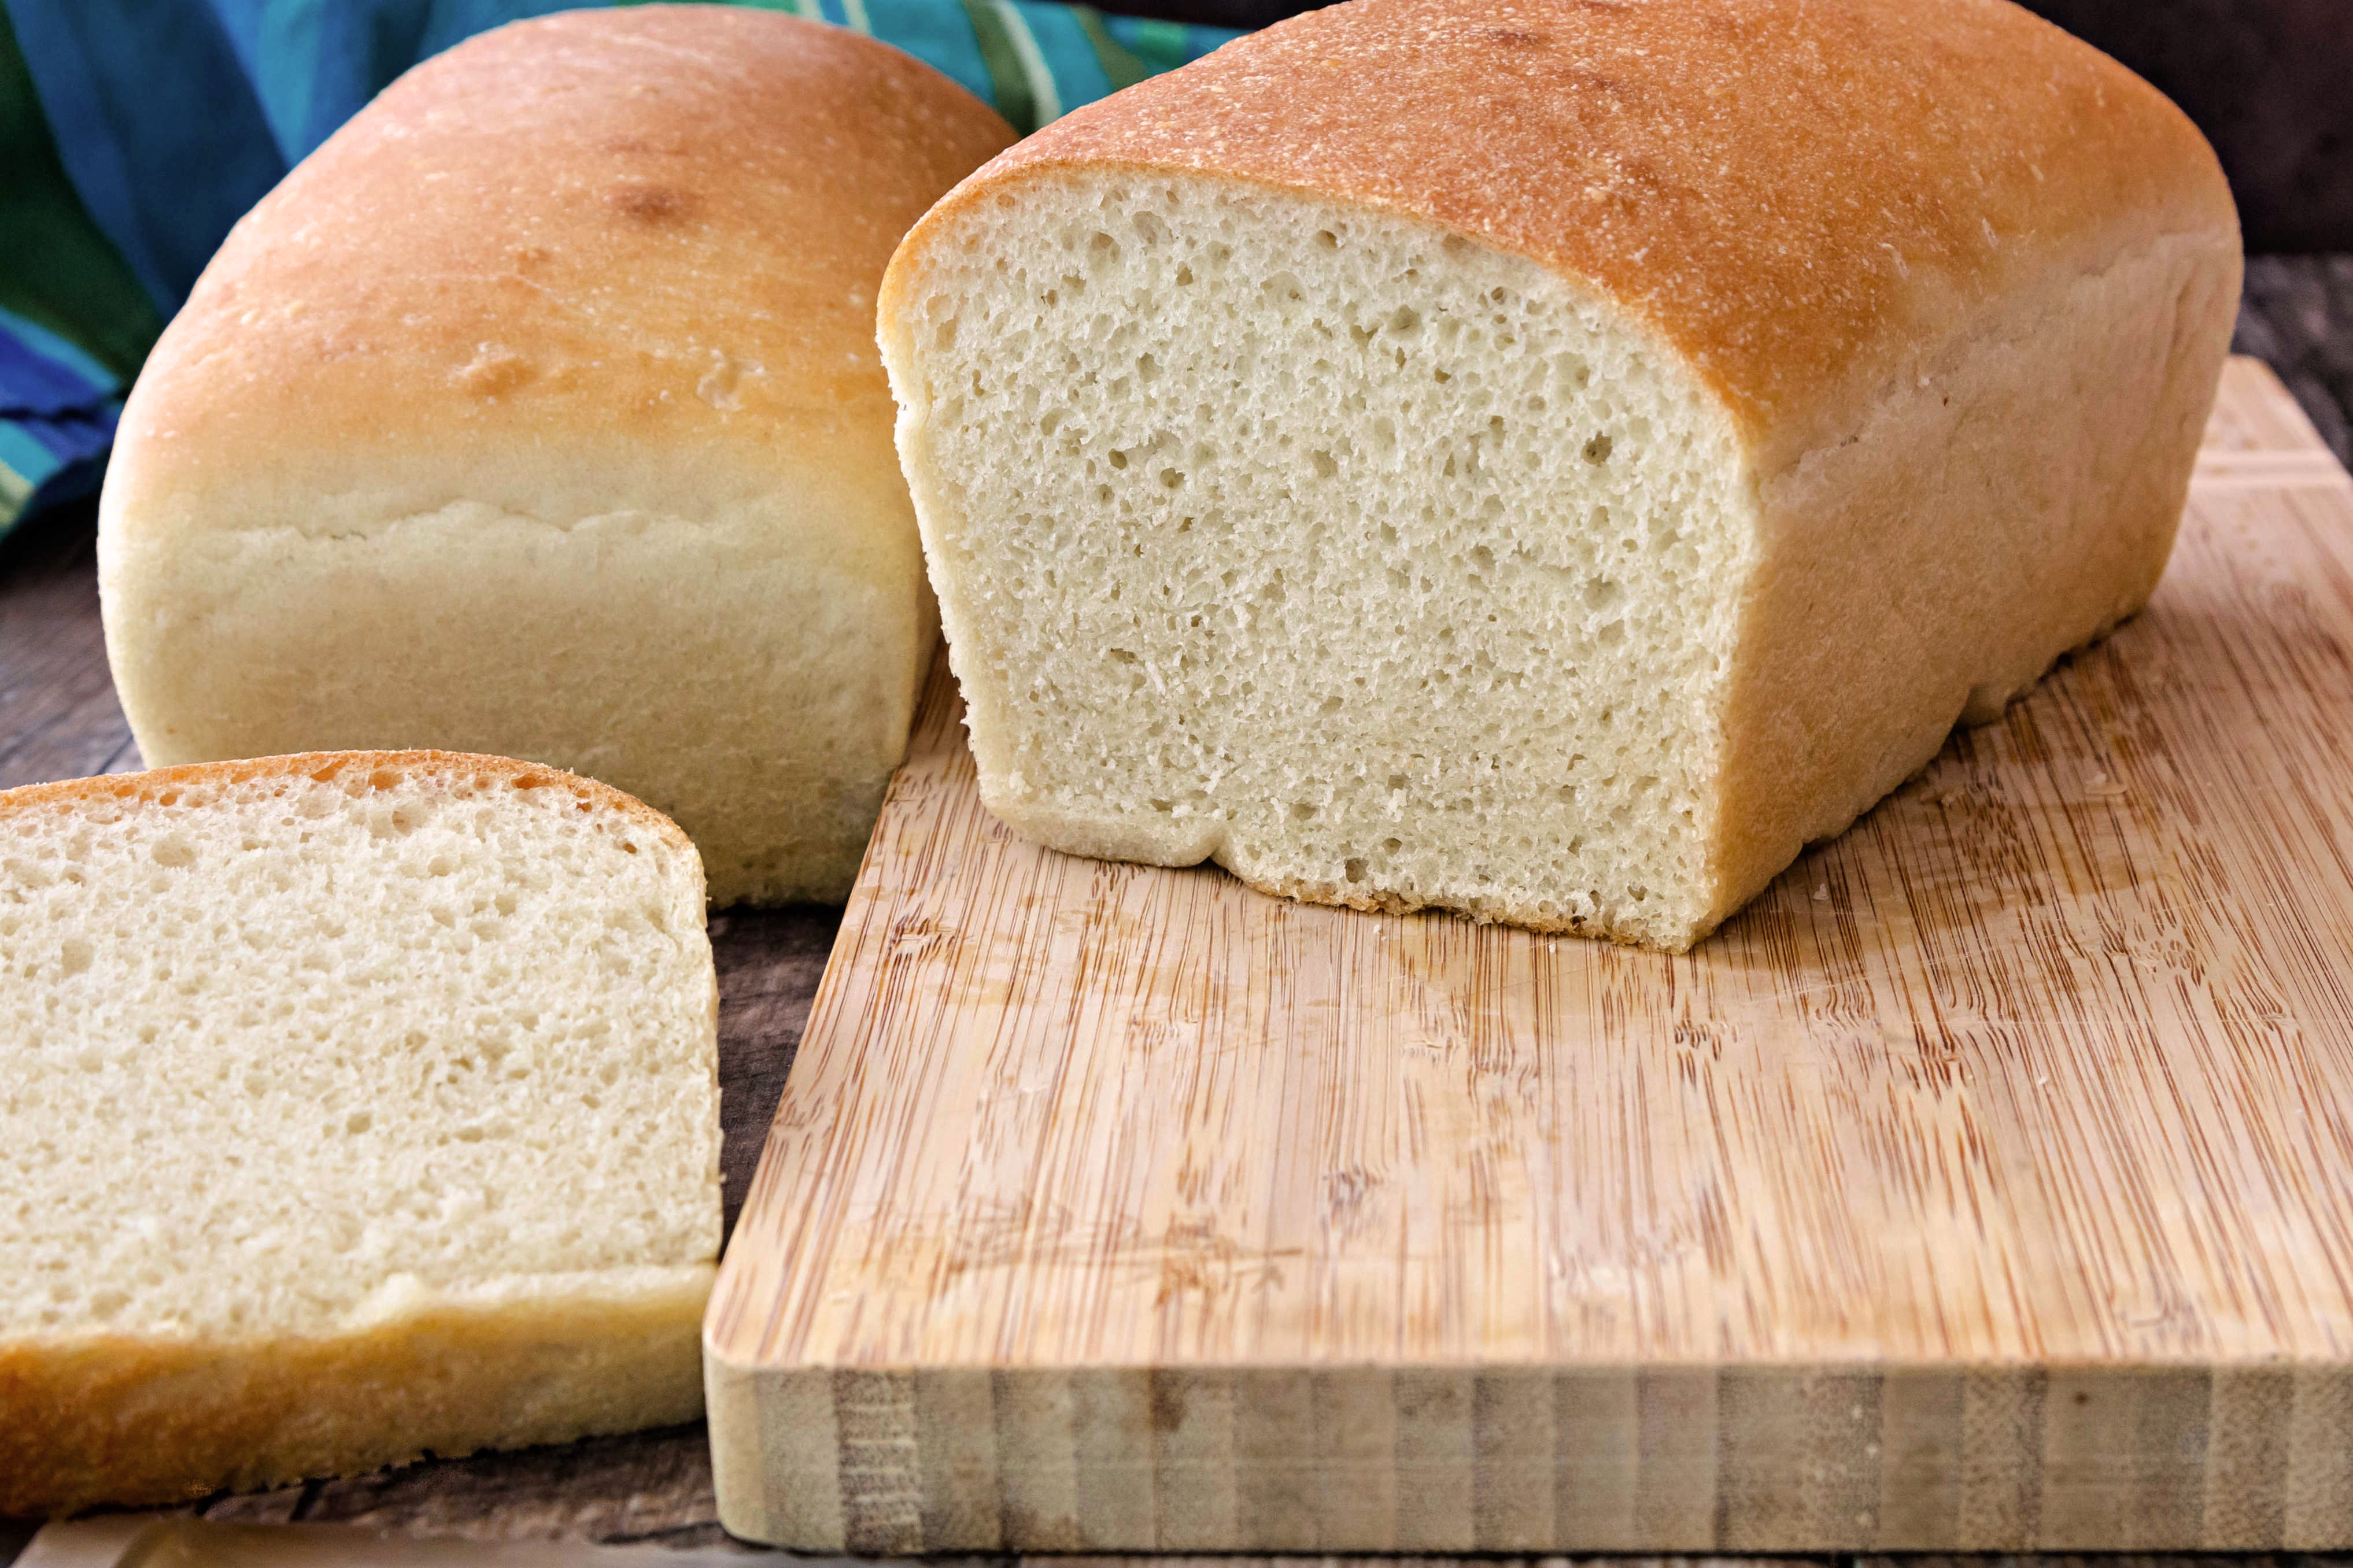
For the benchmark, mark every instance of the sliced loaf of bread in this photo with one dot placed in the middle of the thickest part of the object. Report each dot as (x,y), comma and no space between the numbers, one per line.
(1550,461)
(351,1106)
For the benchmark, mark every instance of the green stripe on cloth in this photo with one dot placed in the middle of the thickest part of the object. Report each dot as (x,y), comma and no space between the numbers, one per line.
(1123,67)
(56,267)
(1008,83)
(1019,79)
(1161,45)
(1043,93)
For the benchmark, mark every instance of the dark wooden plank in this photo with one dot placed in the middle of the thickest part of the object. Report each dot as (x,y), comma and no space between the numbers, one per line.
(768,962)
(58,718)
(649,1486)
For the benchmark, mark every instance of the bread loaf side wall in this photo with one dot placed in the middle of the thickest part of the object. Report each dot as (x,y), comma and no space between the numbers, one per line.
(2010,494)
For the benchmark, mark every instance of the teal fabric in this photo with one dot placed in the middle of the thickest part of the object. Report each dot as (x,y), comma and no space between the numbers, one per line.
(134,132)
(57,408)
(161,138)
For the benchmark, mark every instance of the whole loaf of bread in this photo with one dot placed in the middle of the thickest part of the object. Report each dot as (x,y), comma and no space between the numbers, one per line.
(537,413)
(1548,459)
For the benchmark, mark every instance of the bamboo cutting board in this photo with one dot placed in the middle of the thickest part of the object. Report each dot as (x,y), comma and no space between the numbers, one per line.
(1987,1185)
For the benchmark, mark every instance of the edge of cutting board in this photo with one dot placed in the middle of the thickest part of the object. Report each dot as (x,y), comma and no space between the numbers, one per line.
(1854,1457)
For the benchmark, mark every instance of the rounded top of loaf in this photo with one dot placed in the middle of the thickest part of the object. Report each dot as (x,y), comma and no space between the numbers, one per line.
(661,226)
(1787,191)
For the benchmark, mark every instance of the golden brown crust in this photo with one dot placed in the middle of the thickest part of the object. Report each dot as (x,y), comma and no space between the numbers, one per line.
(610,223)
(137,1419)
(1790,192)
(384,769)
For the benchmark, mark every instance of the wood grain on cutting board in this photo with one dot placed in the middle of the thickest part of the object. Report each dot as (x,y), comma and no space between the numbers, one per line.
(1987,1185)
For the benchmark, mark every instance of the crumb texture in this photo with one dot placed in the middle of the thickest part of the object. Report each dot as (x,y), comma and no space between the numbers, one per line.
(289,1050)
(1379,565)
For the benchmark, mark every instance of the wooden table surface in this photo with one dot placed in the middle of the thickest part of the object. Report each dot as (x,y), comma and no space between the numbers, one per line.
(58,718)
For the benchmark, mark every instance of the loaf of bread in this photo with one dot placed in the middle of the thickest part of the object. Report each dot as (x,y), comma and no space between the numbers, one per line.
(351,1106)
(1544,459)
(538,413)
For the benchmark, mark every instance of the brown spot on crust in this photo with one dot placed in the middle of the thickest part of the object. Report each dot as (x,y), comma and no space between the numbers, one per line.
(649,202)
(1512,37)
(648,146)
(495,371)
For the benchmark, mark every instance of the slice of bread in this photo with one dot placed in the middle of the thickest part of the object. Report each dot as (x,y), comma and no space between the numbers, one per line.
(351,1106)
(1546,460)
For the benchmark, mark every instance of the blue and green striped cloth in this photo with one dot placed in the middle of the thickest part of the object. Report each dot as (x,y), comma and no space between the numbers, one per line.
(134,132)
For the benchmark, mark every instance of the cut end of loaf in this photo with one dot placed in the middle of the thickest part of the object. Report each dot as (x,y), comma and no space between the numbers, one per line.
(1381,567)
